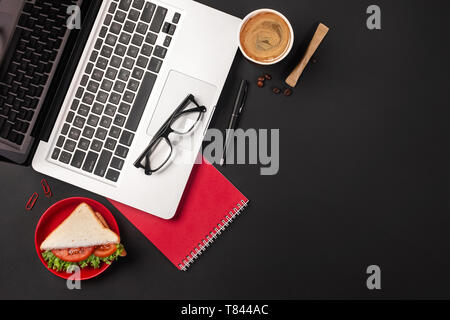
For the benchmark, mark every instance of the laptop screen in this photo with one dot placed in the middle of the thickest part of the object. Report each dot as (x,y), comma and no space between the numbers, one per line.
(9,15)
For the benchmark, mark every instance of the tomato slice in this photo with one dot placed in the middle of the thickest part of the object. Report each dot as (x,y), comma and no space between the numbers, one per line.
(74,254)
(105,250)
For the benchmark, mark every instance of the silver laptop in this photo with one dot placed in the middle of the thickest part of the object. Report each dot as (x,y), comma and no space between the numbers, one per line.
(136,64)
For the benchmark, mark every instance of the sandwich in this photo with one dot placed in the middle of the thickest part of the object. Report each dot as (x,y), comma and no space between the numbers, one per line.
(83,239)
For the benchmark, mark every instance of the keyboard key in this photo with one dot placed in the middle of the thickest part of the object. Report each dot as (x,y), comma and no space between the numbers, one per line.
(121,151)
(97,145)
(142,28)
(65,129)
(101,133)
(151,38)
(107,85)
(56,153)
(176,18)
(103,163)
(172,29)
(70,145)
(129,26)
(84,144)
(111,73)
(119,120)
(79,122)
(128,96)
(138,4)
(89,164)
(115,28)
(97,108)
(119,86)
(142,61)
(113,175)
(138,73)
(125,38)
(155,65)
(141,101)
(120,16)
(115,132)
(60,142)
(133,15)
(74,134)
(65,157)
(97,75)
(133,51)
(120,50)
(111,40)
(93,120)
(88,132)
(158,19)
(125,5)
(160,52)
(147,50)
(117,163)
(133,85)
(116,61)
(167,41)
(70,117)
(115,98)
(147,14)
(110,110)
(127,138)
(102,96)
(106,122)
(75,104)
(110,144)
(78,159)
(128,63)
(83,110)
(124,108)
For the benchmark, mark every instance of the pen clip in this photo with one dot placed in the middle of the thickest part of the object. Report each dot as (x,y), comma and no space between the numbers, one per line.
(244,98)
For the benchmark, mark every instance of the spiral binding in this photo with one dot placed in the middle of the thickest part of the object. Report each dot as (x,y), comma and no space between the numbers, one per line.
(212,236)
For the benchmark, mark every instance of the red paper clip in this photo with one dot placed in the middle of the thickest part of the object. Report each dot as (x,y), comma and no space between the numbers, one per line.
(32,201)
(46,187)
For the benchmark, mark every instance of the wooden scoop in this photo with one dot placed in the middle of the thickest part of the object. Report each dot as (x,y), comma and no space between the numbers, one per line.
(320,34)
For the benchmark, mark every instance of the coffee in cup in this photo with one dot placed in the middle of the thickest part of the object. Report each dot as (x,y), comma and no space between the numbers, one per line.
(266,36)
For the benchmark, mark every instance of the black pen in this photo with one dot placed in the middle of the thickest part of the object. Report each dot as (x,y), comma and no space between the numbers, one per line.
(234,121)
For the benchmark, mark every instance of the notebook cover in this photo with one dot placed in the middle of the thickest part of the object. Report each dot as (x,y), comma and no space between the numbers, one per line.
(209,204)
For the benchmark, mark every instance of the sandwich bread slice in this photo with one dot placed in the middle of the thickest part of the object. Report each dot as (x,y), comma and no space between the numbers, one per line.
(84,239)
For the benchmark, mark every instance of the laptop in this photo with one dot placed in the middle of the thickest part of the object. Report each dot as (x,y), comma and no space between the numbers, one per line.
(81,104)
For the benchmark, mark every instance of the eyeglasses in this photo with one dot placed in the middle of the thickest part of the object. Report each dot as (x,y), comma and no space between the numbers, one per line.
(182,121)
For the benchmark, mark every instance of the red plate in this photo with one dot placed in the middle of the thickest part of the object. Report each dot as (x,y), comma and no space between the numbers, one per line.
(55,215)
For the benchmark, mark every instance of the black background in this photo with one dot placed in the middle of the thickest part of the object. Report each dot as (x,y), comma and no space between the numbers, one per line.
(364,174)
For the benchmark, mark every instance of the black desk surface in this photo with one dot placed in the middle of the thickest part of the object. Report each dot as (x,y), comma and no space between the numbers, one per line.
(364,175)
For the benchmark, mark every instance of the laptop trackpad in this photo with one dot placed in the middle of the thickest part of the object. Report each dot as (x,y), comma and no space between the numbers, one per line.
(178,86)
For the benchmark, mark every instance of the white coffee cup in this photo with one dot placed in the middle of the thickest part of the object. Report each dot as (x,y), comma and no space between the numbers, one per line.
(288,48)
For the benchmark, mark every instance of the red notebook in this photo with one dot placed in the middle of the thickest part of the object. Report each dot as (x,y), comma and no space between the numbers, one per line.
(209,204)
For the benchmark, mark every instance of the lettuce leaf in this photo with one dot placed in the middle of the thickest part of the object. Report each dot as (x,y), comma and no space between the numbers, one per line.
(95,262)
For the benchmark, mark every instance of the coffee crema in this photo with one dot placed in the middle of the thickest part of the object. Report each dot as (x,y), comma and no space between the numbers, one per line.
(265,37)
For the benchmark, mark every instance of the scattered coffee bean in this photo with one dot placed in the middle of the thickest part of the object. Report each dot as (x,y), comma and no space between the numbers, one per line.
(260,84)
(261,79)
(288,92)
(268,76)
(276,90)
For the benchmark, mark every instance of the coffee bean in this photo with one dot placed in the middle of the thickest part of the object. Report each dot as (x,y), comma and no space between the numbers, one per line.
(276,90)
(260,84)
(288,92)
(268,76)
(261,79)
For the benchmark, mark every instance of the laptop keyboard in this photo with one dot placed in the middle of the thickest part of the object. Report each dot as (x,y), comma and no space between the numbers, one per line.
(115,87)
(28,64)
